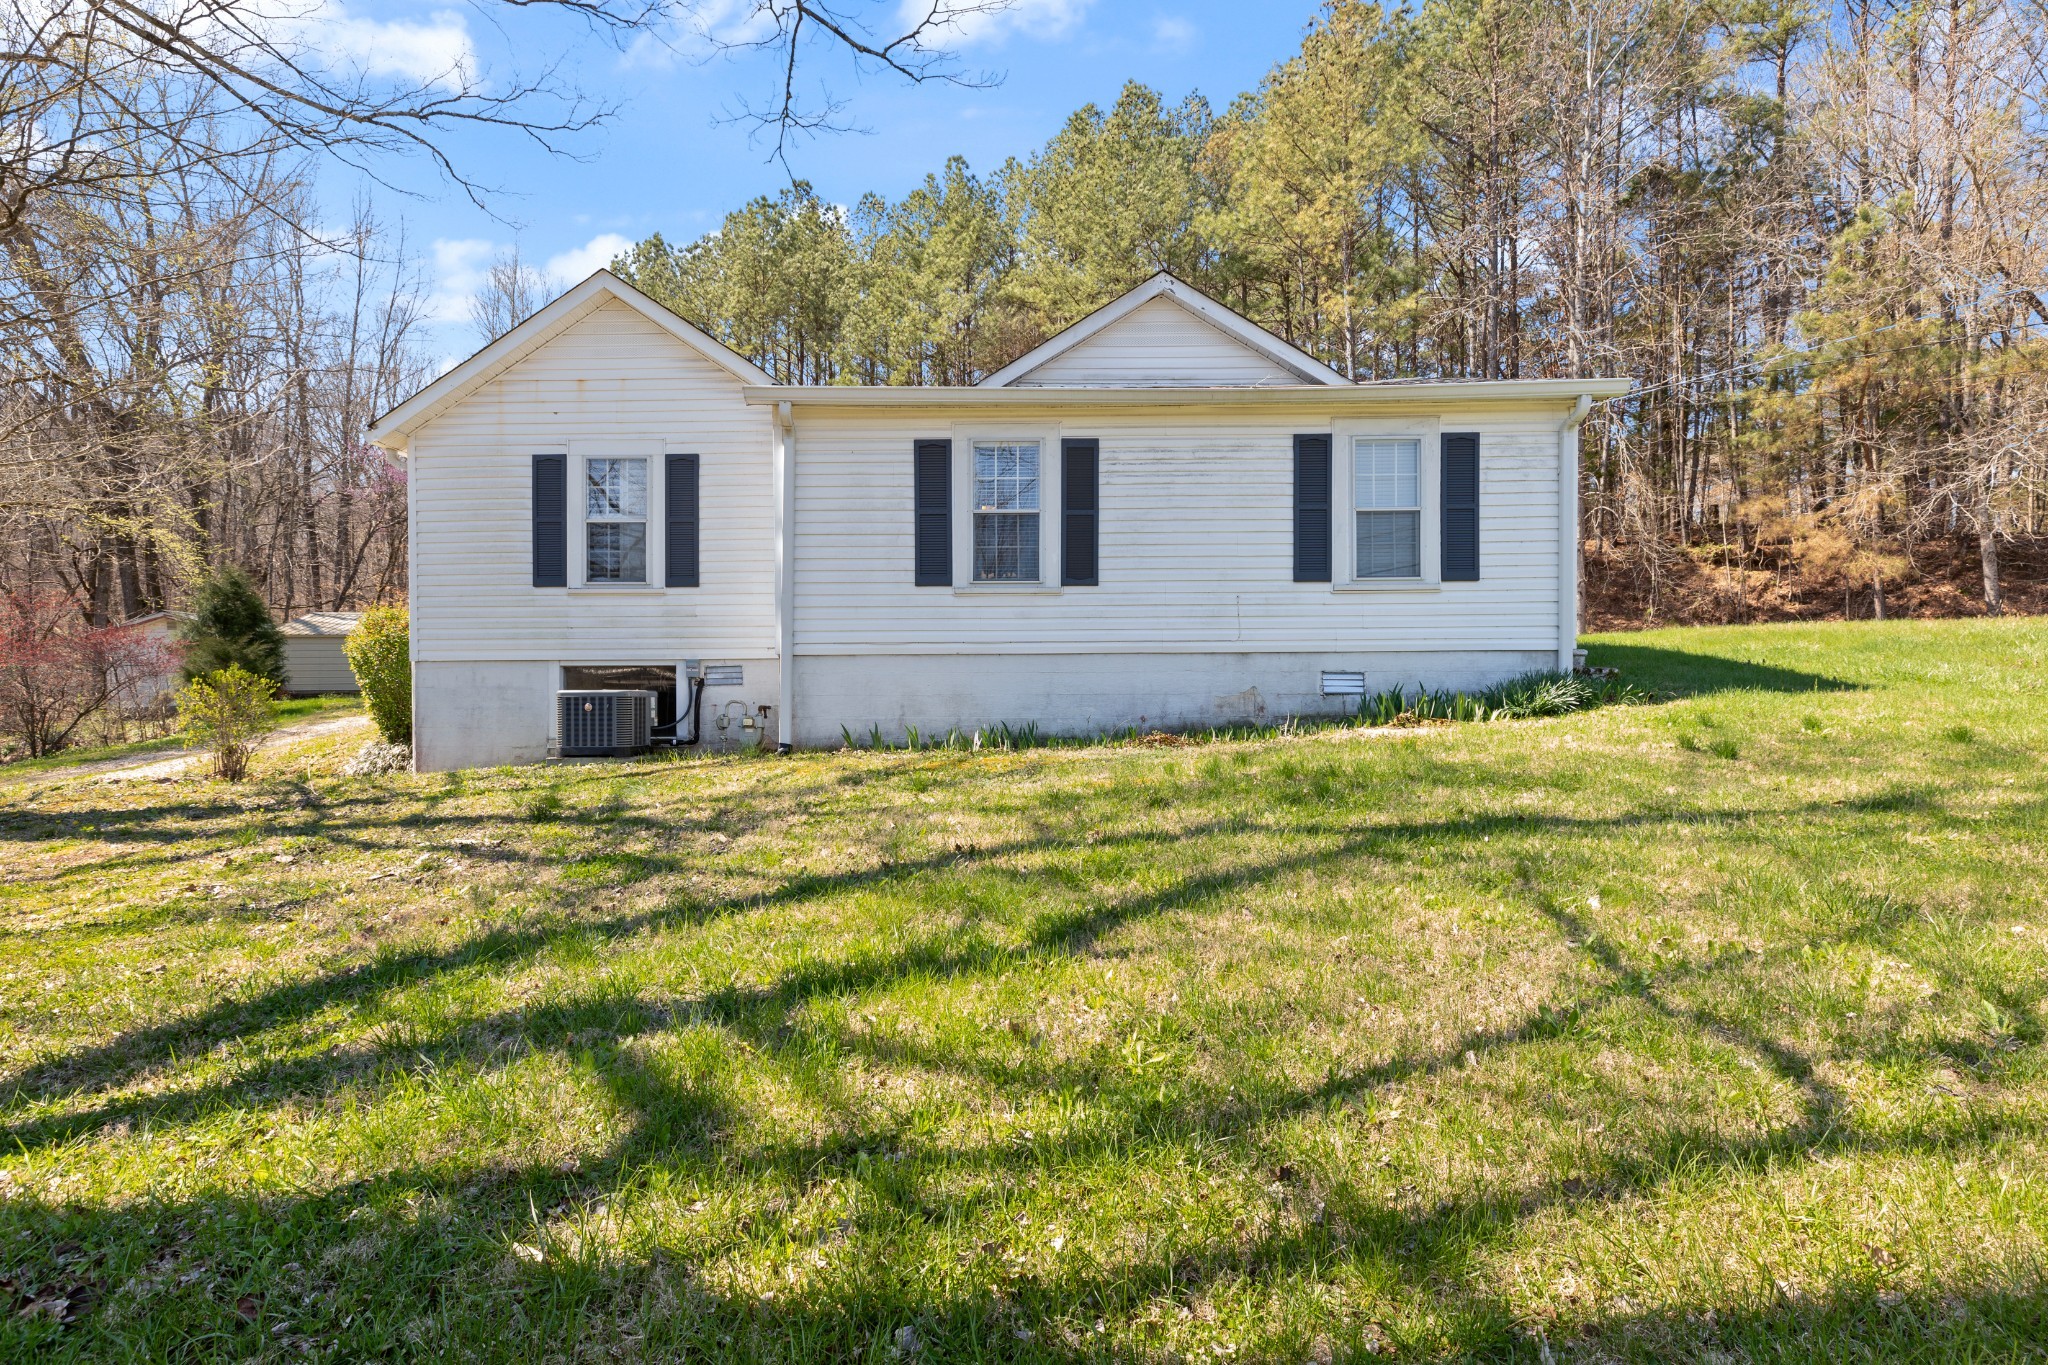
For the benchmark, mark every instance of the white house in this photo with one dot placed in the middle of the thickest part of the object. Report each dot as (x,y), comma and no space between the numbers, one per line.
(1164,516)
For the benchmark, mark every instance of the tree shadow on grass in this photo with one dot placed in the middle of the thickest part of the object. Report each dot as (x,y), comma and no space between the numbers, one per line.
(1865,1322)
(1056,929)
(421,1261)
(1678,673)
(510,1261)
(514,1261)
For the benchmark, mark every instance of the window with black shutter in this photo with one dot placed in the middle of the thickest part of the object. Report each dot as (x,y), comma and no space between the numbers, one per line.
(550,521)
(1460,492)
(1080,502)
(679,504)
(932,484)
(1312,509)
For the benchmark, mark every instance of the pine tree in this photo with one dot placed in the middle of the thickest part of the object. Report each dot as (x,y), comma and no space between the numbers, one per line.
(230,625)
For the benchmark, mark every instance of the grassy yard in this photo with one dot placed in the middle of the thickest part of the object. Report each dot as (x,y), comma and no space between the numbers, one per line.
(1710,1029)
(288,711)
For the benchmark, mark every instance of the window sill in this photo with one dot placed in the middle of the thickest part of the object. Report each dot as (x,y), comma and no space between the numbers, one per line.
(1388,585)
(617,587)
(1006,590)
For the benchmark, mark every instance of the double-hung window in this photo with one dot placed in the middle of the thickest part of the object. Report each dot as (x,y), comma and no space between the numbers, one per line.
(615,520)
(1006,511)
(1387,488)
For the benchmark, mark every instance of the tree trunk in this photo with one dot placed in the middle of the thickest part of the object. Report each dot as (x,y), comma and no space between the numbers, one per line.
(1987,554)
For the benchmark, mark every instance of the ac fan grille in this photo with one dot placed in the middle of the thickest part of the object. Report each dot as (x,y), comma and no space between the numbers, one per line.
(603,722)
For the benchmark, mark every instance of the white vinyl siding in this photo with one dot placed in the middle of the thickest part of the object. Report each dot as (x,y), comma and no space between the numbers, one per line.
(1195,544)
(609,383)
(316,664)
(1160,343)
(1387,488)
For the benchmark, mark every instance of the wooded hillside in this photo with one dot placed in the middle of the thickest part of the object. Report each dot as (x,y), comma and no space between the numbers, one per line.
(1815,239)
(1813,235)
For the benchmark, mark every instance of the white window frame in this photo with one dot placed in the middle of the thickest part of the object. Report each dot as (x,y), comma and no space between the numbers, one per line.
(1050,493)
(1425,432)
(581,453)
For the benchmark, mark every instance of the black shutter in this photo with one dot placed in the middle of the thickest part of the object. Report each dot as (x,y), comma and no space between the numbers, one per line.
(1312,509)
(679,500)
(550,521)
(1460,479)
(932,477)
(1079,506)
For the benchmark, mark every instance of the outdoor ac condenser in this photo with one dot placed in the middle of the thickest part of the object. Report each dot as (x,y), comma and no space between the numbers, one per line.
(592,724)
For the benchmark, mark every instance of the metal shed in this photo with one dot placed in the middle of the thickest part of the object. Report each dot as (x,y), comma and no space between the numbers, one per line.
(313,659)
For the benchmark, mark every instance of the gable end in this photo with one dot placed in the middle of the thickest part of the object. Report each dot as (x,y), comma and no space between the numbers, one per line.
(1164,334)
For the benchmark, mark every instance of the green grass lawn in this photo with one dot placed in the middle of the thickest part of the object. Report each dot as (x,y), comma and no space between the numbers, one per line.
(1709,1029)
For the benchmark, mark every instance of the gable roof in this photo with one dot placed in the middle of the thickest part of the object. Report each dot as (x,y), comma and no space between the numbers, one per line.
(395,427)
(1200,307)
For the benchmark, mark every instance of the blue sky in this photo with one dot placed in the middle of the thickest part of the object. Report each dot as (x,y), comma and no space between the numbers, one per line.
(668,162)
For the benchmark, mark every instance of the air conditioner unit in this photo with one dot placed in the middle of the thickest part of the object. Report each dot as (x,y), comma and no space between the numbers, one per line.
(594,724)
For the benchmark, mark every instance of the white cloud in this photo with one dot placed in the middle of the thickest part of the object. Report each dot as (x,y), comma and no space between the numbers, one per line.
(433,51)
(1171,33)
(460,266)
(700,31)
(1045,20)
(569,267)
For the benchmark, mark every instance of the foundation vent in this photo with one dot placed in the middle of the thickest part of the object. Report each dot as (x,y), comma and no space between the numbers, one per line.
(1343,683)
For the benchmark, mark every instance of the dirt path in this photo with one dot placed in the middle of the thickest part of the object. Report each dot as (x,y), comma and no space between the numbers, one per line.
(172,762)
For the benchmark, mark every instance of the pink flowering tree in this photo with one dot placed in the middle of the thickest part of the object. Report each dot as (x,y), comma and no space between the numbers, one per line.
(57,671)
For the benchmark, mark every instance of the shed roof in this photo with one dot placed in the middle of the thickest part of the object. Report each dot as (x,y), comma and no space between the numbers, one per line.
(333,623)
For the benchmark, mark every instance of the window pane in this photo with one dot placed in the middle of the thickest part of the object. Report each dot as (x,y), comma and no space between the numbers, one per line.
(615,488)
(1006,476)
(1386,474)
(1390,544)
(617,552)
(1006,547)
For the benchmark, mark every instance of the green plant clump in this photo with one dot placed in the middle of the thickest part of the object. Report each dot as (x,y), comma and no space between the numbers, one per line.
(231,628)
(1529,697)
(379,654)
(227,713)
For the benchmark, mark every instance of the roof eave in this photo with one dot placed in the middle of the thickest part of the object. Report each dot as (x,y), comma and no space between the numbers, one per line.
(1321,396)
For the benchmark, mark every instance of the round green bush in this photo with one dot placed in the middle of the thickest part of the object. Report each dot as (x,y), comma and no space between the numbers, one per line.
(229,627)
(379,654)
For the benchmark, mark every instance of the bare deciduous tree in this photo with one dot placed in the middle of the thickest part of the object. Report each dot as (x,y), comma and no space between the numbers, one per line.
(512,292)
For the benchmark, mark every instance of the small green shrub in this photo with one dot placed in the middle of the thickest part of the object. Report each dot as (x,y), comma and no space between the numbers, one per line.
(379,654)
(1724,748)
(226,713)
(1811,724)
(231,628)
(1959,734)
